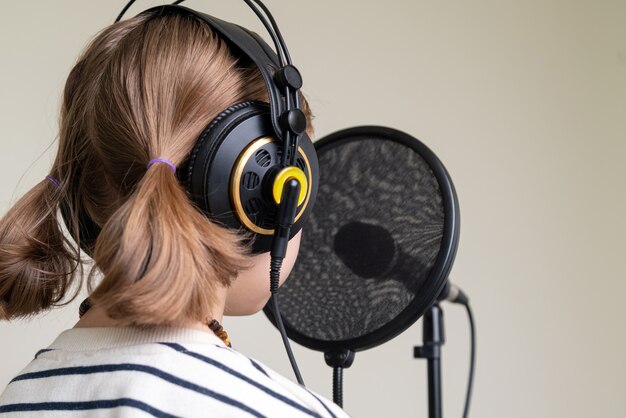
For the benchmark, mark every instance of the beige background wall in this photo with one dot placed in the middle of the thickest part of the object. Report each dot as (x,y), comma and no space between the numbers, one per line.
(523,101)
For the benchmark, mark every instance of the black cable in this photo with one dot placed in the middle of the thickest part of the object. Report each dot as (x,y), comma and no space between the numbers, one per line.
(130,3)
(276,30)
(283,334)
(338,385)
(282,57)
(285,216)
(472,359)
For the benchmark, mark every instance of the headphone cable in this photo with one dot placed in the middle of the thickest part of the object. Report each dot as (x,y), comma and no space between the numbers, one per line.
(283,335)
(119,17)
(279,36)
(284,220)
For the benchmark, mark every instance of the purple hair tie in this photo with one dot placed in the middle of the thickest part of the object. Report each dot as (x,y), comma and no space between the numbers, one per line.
(53,180)
(162,160)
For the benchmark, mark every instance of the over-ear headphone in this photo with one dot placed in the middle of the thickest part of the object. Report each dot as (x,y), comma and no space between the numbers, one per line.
(238,167)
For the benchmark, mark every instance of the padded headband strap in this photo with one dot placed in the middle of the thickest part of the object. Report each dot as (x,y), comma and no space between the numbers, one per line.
(250,44)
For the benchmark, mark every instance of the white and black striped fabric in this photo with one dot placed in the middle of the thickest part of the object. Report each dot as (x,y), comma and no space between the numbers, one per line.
(164,372)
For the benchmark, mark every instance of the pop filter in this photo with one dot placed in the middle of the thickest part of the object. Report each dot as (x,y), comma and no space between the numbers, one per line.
(378,246)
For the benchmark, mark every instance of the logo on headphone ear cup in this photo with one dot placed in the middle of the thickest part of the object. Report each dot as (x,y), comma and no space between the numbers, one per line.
(233,167)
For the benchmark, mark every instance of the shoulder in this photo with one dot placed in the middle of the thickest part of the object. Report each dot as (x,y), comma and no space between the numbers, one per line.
(252,376)
(176,377)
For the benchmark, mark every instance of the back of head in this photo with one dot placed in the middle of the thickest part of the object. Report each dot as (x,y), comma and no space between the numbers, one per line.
(144,88)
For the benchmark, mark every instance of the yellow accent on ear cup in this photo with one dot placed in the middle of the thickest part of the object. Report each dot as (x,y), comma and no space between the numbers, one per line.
(284,175)
(235,184)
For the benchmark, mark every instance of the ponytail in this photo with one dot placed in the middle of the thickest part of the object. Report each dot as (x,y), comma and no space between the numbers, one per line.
(37,263)
(161,258)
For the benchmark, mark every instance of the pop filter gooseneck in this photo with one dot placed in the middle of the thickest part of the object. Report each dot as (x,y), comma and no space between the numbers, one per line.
(379,244)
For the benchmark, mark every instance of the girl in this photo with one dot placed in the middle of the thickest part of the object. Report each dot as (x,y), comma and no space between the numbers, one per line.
(149,340)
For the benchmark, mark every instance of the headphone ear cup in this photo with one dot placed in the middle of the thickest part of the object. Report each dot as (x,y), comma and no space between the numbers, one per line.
(231,171)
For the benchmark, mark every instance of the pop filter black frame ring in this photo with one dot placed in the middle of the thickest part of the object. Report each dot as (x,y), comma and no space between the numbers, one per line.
(443,264)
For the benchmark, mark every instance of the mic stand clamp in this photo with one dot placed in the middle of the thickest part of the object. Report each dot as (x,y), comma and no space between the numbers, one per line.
(434,338)
(338,359)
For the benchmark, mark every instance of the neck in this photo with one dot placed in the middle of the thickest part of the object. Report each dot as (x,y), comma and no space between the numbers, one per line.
(96,316)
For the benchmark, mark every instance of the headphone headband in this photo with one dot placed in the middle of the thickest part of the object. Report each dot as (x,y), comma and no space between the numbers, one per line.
(282,83)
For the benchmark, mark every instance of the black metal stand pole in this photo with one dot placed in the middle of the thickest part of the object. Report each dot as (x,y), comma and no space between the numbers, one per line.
(338,359)
(433,337)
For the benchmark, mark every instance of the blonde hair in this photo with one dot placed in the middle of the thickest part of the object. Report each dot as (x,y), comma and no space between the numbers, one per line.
(143,88)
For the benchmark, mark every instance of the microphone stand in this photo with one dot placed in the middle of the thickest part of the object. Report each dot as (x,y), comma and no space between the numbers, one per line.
(433,338)
(338,359)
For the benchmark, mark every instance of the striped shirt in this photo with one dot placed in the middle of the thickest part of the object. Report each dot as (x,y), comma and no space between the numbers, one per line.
(164,372)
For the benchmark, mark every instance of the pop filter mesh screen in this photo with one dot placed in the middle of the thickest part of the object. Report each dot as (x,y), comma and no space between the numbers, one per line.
(370,243)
